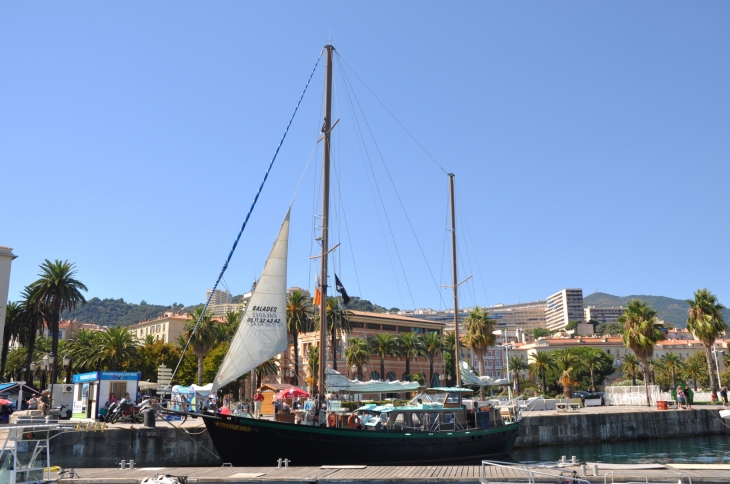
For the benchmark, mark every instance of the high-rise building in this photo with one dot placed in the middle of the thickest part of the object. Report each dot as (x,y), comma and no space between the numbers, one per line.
(6,258)
(562,307)
(602,315)
(219,297)
(525,316)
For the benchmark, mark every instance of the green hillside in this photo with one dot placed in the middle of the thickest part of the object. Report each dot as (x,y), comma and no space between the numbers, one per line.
(673,311)
(117,312)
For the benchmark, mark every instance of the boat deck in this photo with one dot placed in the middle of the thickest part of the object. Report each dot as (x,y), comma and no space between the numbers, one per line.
(718,473)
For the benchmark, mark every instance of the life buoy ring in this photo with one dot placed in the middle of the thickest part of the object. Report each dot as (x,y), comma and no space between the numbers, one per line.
(331,419)
(353,421)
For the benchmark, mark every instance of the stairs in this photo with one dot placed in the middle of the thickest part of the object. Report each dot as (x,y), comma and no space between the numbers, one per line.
(652,423)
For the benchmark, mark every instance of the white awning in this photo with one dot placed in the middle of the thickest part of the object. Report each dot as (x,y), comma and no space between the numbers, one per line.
(336,382)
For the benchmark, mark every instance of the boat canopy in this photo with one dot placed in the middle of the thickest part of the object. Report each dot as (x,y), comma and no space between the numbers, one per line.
(337,382)
(450,389)
(468,377)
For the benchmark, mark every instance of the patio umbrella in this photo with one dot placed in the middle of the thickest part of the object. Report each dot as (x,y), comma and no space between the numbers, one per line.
(4,402)
(292,392)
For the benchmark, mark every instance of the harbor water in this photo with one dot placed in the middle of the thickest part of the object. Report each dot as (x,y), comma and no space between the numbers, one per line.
(706,450)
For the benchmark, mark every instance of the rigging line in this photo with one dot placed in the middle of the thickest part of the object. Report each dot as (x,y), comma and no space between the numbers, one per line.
(476,256)
(301,178)
(366,155)
(347,231)
(410,224)
(393,115)
(470,282)
(315,191)
(245,221)
(443,247)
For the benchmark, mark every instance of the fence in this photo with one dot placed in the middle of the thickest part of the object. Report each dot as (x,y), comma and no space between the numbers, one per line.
(631,395)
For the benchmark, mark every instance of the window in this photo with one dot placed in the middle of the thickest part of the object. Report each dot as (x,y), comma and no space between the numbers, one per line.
(399,421)
(417,419)
(390,376)
(372,326)
(435,380)
(452,398)
(448,418)
(498,354)
(489,354)
(355,325)
(418,330)
(374,375)
(118,388)
(388,327)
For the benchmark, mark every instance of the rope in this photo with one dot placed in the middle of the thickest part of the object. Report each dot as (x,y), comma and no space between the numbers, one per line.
(245,221)
(195,441)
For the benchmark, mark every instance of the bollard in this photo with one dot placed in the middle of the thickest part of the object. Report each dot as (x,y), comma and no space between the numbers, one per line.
(583,469)
(595,469)
(149,417)
(286,463)
(122,465)
(130,465)
(563,460)
(278,463)
(574,461)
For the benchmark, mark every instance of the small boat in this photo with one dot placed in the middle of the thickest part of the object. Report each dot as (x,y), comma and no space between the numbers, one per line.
(435,426)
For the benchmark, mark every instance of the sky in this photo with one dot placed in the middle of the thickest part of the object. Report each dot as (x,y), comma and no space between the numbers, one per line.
(589,143)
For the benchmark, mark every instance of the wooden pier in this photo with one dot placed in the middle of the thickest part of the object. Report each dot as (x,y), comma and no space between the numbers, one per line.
(710,473)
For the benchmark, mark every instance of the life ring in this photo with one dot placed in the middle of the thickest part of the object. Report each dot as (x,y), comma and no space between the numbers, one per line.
(353,421)
(331,419)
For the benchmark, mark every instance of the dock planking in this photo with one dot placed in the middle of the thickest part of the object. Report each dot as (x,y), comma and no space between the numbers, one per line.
(377,474)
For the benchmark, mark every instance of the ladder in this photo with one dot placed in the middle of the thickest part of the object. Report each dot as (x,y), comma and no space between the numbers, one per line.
(652,423)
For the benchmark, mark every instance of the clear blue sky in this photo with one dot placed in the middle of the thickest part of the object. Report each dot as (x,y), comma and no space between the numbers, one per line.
(589,141)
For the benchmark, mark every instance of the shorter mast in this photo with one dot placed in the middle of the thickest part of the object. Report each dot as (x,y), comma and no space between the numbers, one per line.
(455,281)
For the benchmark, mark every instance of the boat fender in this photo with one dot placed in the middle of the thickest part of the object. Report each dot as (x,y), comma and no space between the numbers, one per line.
(353,421)
(331,419)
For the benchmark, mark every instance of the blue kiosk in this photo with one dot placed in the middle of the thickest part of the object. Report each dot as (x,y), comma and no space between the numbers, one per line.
(92,390)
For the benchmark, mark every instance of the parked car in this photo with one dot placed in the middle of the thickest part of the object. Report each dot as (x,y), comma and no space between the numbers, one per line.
(582,394)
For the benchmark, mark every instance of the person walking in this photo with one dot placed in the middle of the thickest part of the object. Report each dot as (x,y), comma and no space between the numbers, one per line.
(685,392)
(680,398)
(723,396)
(258,400)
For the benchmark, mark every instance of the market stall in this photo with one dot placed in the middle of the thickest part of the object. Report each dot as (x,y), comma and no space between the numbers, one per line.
(93,390)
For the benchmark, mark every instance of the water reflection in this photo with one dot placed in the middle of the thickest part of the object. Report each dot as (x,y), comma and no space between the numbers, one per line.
(705,450)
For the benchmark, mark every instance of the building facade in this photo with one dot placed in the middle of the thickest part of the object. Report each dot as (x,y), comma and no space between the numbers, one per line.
(524,316)
(166,327)
(563,307)
(602,315)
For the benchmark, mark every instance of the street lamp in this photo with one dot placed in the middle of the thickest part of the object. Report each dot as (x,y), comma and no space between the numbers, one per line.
(354,369)
(52,368)
(33,366)
(67,366)
(44,368)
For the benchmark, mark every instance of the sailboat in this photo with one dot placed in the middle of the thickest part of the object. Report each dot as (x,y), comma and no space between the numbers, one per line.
(435,426)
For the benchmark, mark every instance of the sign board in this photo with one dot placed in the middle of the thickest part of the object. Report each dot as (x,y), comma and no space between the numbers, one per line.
(334,405)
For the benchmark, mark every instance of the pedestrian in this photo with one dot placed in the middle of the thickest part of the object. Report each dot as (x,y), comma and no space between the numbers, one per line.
(687,401)
(680,398)
(277,406)
(258,400)
(723,396)
(45,401)
(33,403)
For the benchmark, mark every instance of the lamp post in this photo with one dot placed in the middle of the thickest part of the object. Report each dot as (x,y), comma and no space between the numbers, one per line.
(717,365)
(33,366)
(44,369)
(67,366)
(354,369)
(506,357)
(52,369)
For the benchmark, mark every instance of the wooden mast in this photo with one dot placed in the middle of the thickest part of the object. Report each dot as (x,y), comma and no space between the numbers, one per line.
(455,281)
(326,128)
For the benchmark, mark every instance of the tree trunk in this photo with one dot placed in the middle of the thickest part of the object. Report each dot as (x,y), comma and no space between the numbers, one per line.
(694,380)
(382,368)
(54,335)
(593,383)
(481,373)
(645,371)
(544,381)
(200,369)
(31,350)
(4,357)
(295,380)
(408,369)
(633,377)
(674,380)
(713,377)
(430,372)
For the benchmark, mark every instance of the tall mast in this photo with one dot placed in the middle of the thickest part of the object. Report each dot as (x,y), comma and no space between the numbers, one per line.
(456,283)
(326,127)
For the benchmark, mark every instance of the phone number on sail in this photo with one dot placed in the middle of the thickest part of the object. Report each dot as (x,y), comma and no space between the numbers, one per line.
(263,316)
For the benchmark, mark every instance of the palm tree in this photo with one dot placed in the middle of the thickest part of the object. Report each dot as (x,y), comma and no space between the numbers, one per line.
(479,336)
(313,365)
(229,325)
(298,320)
(448,343)
(630,366)
(358,354)
(203,338)
(57,290)
(33,317)
(653,363)
(433,346)
(592,360)
(516,365)
(83,350)
(267,368)
(568,363)
(672,362)
(411,346)
(338,323)
(14,317)
(706,322)
(541,363)
(116,345)
(692,370)
(383,345)
(640,333)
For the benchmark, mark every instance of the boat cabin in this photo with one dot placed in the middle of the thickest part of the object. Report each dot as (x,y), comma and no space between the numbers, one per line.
(434,410)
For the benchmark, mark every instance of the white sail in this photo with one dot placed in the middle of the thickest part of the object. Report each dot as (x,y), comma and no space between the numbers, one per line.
(262,332)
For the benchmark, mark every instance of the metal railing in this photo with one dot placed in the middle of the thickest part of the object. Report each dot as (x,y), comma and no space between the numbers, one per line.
(530,472)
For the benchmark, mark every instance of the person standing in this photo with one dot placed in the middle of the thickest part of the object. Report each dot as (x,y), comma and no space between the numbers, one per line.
(680,398)
(258,400)
(723,396)
(685,392)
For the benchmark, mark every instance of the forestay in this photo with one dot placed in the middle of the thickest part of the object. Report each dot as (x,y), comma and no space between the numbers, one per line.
(262,332)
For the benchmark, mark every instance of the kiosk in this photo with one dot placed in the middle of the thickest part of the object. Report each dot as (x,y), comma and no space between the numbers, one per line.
(91,390)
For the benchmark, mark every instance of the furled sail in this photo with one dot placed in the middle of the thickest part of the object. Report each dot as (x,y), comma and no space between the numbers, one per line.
(262,332)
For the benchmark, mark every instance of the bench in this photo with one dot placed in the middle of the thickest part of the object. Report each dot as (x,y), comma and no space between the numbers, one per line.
(567,407)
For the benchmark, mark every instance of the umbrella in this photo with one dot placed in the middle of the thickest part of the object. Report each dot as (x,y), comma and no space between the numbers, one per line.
(292,392)
(4,402)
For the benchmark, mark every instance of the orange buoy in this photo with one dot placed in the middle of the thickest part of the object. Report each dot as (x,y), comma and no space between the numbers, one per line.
(353,421)
(331,419)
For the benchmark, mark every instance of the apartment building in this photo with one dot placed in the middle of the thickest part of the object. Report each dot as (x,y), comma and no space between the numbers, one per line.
(166,327)
(523,316)
(562,307)
(602,315)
